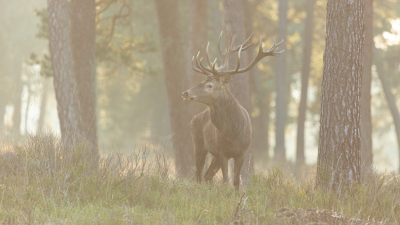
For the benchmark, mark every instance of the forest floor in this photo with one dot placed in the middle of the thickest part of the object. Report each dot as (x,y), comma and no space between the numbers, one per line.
(40,184)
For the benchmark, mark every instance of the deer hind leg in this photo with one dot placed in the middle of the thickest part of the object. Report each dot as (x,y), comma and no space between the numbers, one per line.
(213,169)
(237,167)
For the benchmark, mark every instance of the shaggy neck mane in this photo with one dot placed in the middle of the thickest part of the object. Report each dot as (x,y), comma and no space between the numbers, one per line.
(228,116)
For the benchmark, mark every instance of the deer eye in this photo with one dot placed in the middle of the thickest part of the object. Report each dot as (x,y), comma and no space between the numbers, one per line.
(209,86)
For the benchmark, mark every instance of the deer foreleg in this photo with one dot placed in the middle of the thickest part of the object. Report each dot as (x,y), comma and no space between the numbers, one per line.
(238,166)
(224,167)
(213,169)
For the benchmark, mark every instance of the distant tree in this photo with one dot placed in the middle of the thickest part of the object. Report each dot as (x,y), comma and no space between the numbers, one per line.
(305,73)
(176,81)
(366,124)
(260,140)
(340,136)
(62,63)
(390,98)
(240,84)
(281,105)
(43,102)
(83,34)
(198,35)
(17,93)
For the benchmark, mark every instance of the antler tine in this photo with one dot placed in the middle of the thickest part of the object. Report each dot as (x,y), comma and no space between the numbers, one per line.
(201,68)
(196,69)
(238,63)
(274,46)
(208,56)
(244,44)
(219,44)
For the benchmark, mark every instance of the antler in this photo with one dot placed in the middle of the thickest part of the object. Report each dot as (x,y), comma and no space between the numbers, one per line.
(217,72)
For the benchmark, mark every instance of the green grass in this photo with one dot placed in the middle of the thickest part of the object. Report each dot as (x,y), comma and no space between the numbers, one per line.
(40,184)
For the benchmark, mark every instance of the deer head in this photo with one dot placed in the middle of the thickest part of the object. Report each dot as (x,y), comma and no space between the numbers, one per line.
(215,86)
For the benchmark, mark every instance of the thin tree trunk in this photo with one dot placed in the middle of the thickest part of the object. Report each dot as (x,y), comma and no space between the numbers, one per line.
(198,35)
(280,118)
(389,96)
(28,105)
(62,64)
(43,103)
(366,124)
(239,84)
(176,80)
(340,136)
(17,94)
(305,73)
(83,34)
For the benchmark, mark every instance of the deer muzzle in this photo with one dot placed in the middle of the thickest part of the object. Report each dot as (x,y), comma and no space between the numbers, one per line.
(187,96)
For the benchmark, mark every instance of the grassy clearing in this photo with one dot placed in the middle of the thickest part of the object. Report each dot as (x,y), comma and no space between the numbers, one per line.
(39,184)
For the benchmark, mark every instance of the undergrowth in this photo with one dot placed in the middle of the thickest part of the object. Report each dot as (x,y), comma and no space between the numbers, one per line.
(41,184)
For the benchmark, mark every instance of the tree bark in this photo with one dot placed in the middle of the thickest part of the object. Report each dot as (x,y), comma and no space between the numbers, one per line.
(62,64)
(176,80)
(198,35)
(239,84)
(389,96)
(280,115)
(340,136)
(366,124)
(305,73)
(83,34)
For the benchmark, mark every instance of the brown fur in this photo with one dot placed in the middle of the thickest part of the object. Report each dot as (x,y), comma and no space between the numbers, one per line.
(223,130)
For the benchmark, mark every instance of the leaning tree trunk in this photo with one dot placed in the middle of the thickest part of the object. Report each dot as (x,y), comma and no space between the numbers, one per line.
(240,83)
(389,96)
(305,73)
(340,136)
(366,124)
(280,114)
(83,34)
(62,64)
(176,80)
(198,35)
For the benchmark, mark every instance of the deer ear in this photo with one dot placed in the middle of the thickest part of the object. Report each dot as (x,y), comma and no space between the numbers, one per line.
(224,80)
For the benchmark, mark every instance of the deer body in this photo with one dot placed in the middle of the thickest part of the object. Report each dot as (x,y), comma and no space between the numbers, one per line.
(224,128)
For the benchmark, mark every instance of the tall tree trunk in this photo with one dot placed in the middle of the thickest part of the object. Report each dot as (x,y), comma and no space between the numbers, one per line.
(176,80)
(198,35)
(62,64)
(28,106)
(260,123)
(43,103)
(239,84)
(83,34)
(340,136)
(366,124)
(17,94)
(389,96)
(305,73)
(280,115)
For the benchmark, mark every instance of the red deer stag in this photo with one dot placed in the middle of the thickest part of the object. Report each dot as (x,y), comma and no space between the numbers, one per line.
(224,128)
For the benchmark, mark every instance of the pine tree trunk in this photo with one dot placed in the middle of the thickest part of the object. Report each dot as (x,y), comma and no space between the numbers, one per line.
(305,73)
(240,83)
(366,124)
(198,35)
(340,136)
(280,118)
(391,100)
(83,34)
(62,64)
(176,80)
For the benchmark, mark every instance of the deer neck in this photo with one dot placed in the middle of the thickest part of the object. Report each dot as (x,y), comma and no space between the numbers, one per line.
(228,115)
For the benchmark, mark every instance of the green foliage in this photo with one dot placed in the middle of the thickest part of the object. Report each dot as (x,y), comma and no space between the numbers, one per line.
(41,184)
